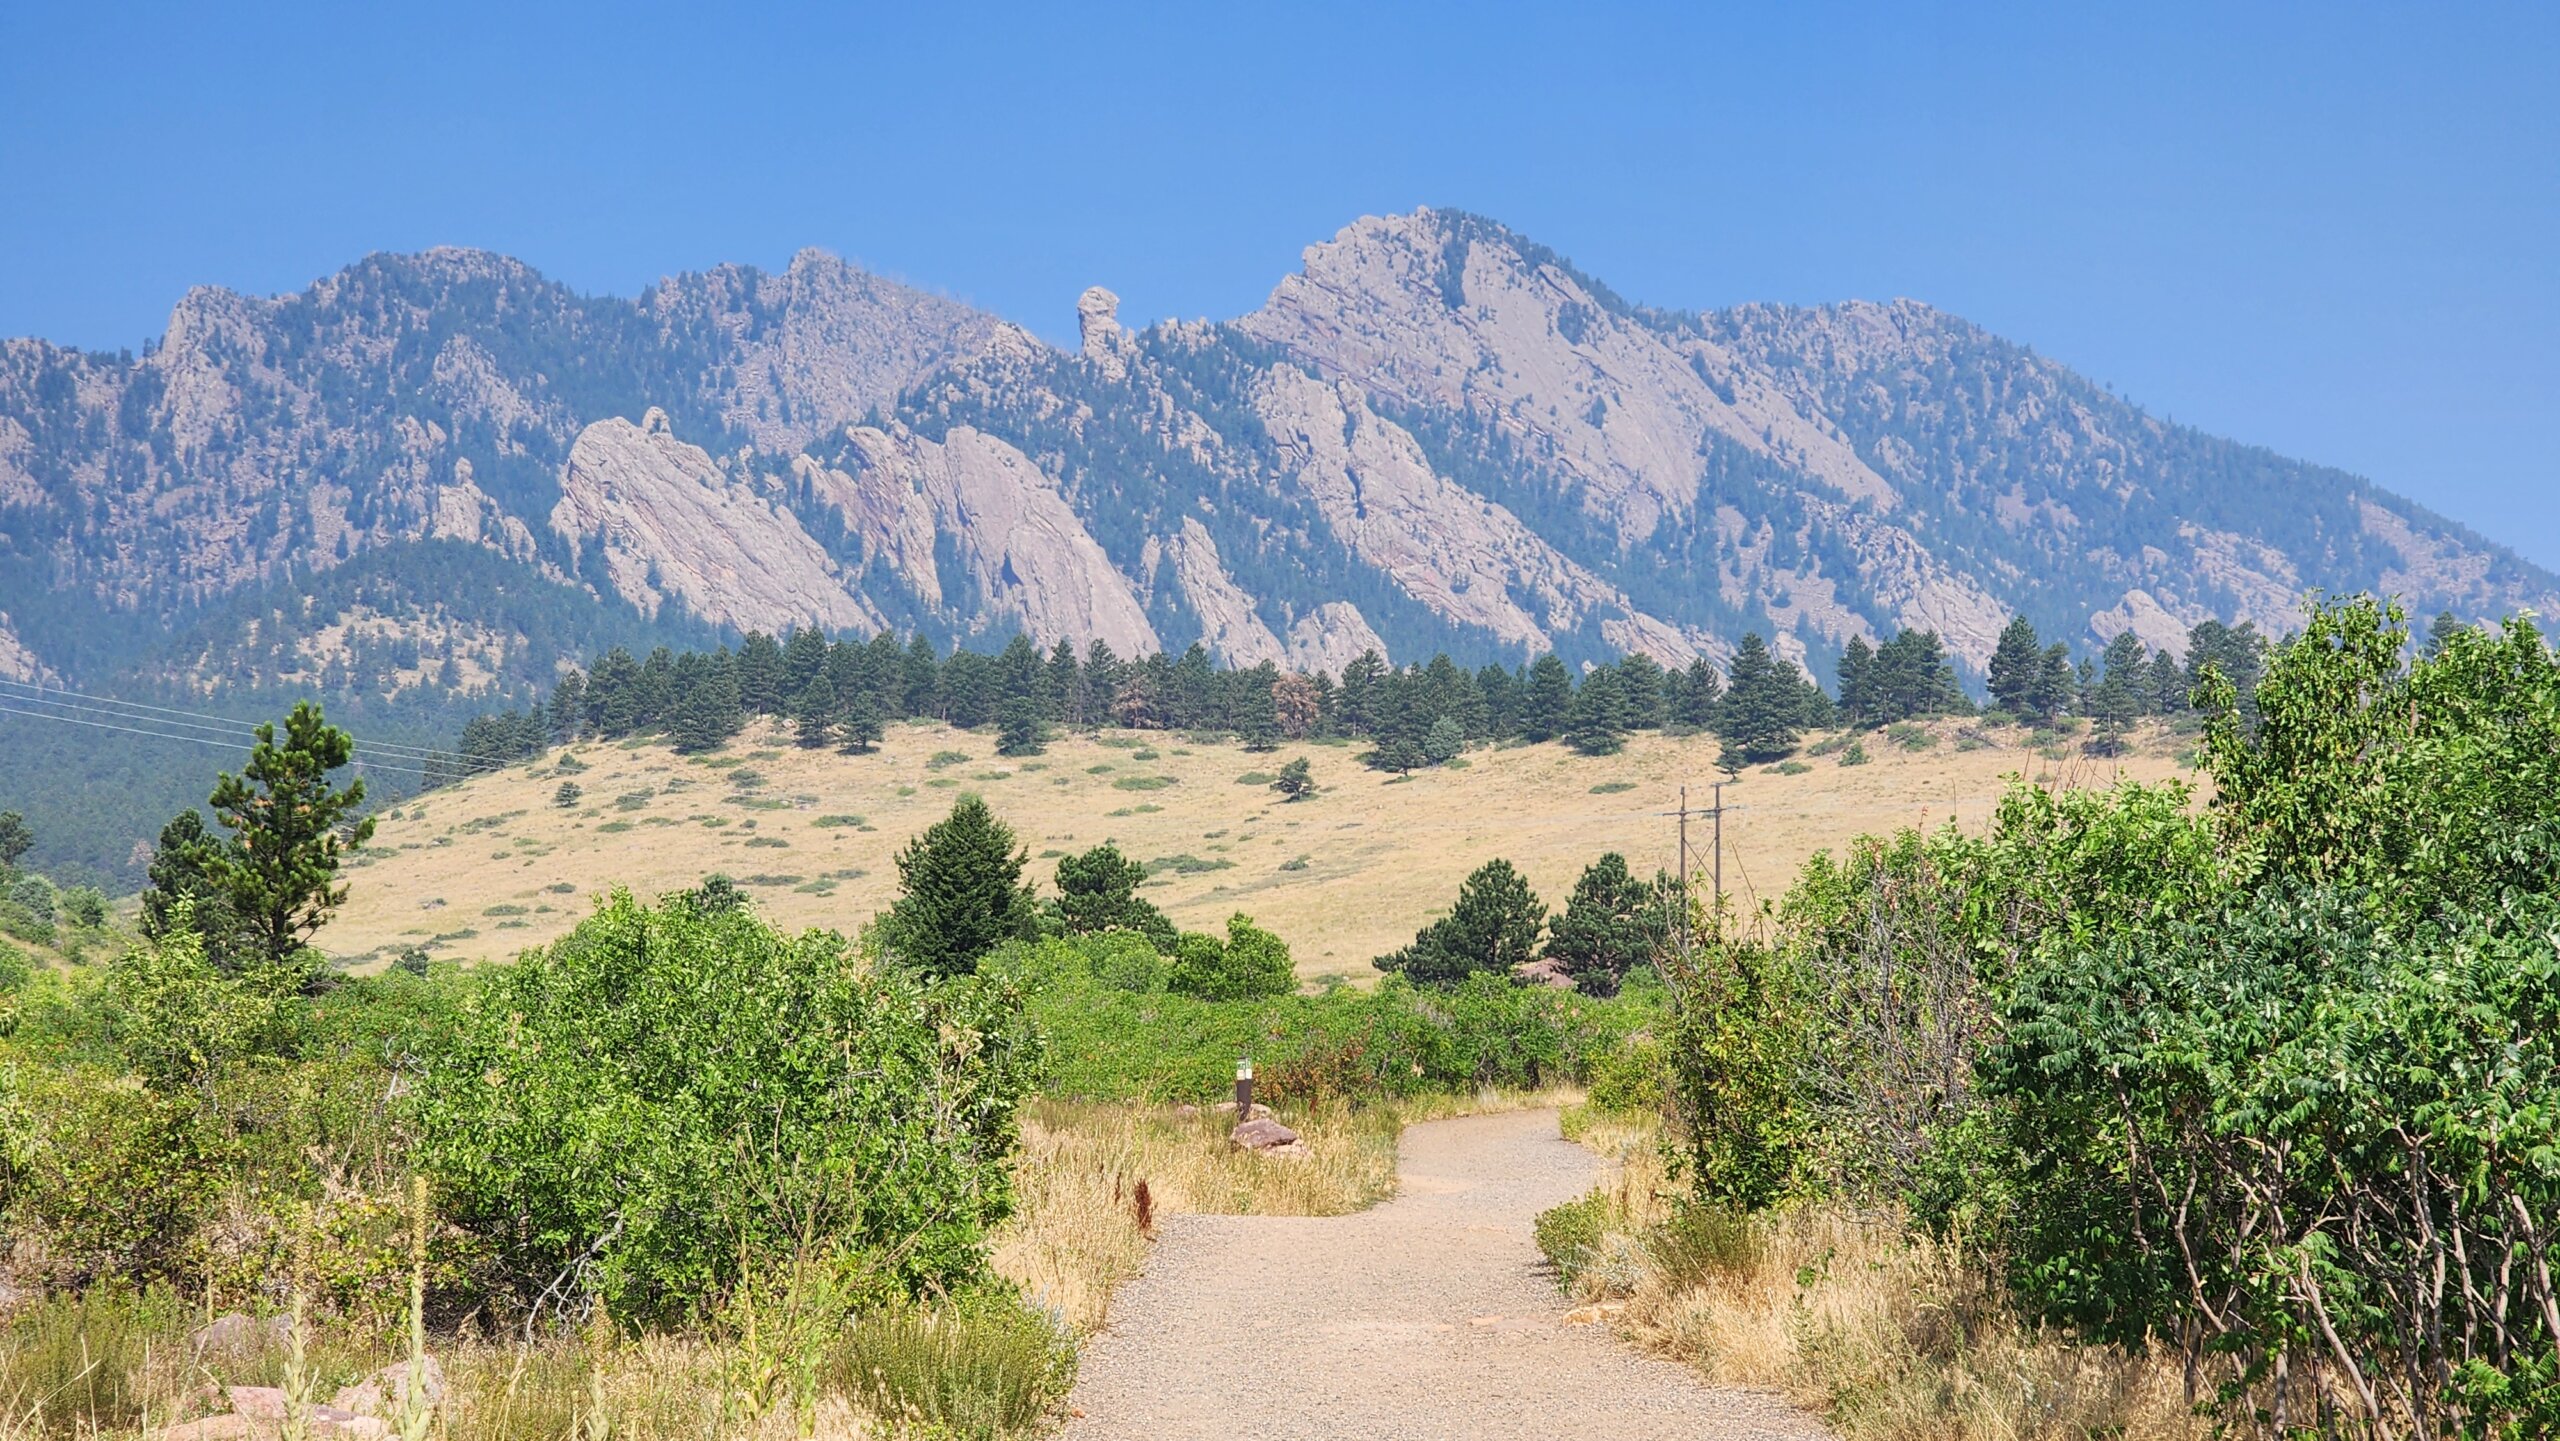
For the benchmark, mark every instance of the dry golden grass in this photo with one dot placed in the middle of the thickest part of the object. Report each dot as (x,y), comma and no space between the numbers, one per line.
(1887,1334)
(488,868)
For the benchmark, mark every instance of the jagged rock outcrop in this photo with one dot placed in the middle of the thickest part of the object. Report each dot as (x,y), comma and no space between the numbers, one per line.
(1331,636)
(1029,557)
(16,661)
(673,524)
(1231,630)
(1465,557)
(1098,328)
(421,473)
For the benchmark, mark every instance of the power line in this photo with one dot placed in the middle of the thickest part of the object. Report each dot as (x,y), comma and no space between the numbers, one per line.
(168,716)
(44,694)
(168,736)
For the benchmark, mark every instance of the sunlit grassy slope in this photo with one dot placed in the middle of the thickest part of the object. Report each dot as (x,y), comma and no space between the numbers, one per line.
(496,865)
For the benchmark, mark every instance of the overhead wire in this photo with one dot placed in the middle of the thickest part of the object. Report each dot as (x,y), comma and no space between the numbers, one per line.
(359,761)
(385,755)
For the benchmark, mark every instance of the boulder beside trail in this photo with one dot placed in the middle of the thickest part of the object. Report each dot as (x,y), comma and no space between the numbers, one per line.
(1266,1137)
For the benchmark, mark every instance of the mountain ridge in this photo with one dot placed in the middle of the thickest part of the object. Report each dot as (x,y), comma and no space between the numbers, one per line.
(1435,434)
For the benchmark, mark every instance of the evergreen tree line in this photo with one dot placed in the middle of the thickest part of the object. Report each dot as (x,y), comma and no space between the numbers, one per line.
(843,692)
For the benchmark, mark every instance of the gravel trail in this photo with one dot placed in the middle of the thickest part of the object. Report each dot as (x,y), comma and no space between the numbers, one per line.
(1430,1316)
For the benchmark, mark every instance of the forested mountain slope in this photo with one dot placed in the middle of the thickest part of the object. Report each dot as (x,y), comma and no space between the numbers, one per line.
(430,480)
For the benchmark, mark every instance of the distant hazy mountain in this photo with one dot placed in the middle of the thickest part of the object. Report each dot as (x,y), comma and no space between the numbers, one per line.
(437,476)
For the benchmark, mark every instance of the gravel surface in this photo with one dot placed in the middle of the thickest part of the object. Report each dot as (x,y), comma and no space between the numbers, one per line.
(1430,1316)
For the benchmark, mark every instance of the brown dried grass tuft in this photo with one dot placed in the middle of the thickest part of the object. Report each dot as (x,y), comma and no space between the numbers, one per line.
(1886,1333)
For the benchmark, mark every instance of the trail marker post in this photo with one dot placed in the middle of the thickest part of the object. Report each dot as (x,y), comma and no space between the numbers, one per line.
(1244,1089)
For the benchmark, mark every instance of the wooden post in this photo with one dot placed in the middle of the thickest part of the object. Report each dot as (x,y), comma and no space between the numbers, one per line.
(1244,1089)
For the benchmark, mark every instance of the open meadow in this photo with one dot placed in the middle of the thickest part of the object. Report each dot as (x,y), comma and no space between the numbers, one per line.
(484,869)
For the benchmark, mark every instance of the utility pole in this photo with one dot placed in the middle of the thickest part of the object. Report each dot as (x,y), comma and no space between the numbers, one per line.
(1683,813)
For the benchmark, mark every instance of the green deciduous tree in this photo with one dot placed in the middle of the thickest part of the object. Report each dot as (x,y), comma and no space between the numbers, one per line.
(669,1095)
(1250,964)
(960,893)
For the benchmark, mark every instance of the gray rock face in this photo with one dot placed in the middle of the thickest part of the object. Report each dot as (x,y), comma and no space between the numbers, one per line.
(1436,433)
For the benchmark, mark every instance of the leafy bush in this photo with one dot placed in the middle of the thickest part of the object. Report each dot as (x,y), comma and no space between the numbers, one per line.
(981,1364)
(1854,754)
(1110,1040)
(669,1089)
(1569,1234)
(1250,963)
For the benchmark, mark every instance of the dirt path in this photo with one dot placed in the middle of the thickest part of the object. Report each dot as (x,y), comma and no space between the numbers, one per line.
(1430,1316)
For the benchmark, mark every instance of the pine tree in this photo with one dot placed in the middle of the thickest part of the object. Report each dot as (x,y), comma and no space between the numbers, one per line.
(1362,680)
(813,711)
(1098,891)
(1256,710)
(1612,924)
(805,654)
(710,712)
(960,893)
(290,829)
(16,839)
(1442,743)
(1701,691)
(1061,686)
(567,796)
(1546,702)
(2016,665)
(1596,721)
(1018,731)
(1297,780)
(860,726)
(1763,706)
(759,674)
(2168,684)
(2055,686)
(182,877)
(1857,676)
(1297,706)
(1495,926)
(567,712)
(1640,687)
(920,680)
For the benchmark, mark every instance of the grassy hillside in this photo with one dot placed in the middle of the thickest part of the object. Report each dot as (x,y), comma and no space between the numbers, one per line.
(496,865)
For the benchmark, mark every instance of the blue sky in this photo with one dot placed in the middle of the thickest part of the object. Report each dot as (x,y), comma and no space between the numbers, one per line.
(2334,230)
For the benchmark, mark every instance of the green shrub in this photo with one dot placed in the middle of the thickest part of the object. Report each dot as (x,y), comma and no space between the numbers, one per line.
(1791,768)
(1854,754)
(978,1365)
(1611,788)
(1630,1078)
(826,823)
(75,1362)
(668,1088)
(944,760)
(1250,963)
(1142,783)
(1569,1235)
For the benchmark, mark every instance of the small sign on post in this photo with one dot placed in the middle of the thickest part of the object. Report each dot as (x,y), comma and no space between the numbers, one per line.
(1244,1089)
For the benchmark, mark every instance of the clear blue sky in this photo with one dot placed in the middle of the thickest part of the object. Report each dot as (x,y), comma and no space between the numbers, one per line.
(2330,229)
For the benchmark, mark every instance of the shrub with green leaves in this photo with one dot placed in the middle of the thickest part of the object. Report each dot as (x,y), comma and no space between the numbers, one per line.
(1251,962)
(669,1089)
